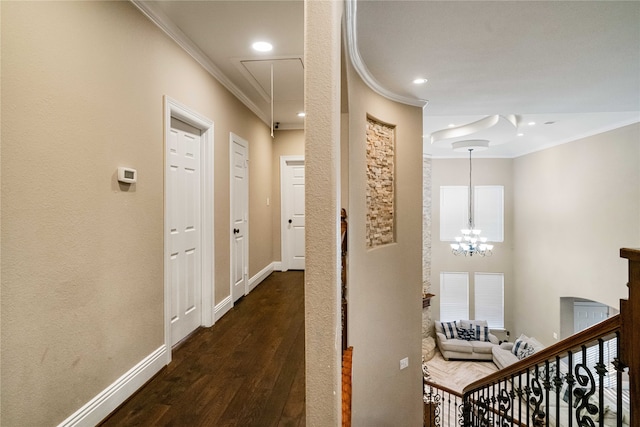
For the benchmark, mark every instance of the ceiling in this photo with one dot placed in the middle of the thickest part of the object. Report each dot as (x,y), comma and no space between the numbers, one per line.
(570,67)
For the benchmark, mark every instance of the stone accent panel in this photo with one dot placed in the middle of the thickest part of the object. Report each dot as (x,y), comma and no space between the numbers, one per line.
(427,322)
(380,196)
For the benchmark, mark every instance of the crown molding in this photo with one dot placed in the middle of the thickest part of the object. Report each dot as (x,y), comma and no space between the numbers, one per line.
(169,28)
(361,68)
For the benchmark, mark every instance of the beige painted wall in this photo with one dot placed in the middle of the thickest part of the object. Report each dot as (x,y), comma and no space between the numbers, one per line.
(575,206)
(82,259)
(285,143)
(385,284)
(485,172)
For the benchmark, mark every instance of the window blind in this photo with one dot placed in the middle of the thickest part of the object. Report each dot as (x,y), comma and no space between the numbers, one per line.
(488,212)
(454,211)
(489,298)
(454,296)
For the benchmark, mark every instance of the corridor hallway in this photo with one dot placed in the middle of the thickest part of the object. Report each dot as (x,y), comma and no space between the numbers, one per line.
(246,370)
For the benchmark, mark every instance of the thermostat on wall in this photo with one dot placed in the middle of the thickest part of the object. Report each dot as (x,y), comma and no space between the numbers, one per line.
(127,175)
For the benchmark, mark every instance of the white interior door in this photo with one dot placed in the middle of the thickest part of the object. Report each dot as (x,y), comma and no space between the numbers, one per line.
(587,314)
(292,223)
(185,259)
(239,217)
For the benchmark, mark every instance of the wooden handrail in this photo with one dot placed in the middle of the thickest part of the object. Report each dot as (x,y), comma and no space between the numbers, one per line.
(443,388)
(630,332)
(603,329)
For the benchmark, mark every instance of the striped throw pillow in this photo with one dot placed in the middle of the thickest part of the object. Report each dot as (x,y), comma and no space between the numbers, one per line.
(481,332)
(450,329)
(518,345)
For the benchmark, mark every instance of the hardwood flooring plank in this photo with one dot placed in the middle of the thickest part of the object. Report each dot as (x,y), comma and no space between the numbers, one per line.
(246,370)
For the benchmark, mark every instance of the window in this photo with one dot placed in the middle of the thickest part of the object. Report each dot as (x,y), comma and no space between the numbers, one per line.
(454,296)
(488,211)
(489,298)
(454,211)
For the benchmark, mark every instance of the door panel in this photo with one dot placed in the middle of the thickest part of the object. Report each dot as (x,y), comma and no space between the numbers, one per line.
(587,314)
(293,215)
(183,194)
(239,217)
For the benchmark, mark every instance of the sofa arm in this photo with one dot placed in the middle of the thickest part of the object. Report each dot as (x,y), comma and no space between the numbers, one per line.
(441,337)
(506,346)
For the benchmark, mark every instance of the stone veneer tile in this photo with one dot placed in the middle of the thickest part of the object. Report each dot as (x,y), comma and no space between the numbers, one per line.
(380,196)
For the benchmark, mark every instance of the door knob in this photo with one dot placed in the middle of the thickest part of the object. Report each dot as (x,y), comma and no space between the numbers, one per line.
(290,221)
(236,230)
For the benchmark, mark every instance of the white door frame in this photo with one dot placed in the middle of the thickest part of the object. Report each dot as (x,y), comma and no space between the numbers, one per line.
(284,253)
(176,110)
(235,138)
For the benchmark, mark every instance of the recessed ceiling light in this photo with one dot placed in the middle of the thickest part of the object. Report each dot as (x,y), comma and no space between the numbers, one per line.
(451,125)
(420,81)
(301,114)
(521,134)
(531,123)
(262,46)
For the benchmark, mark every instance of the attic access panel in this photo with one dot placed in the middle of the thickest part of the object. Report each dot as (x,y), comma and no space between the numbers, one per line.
(288,77)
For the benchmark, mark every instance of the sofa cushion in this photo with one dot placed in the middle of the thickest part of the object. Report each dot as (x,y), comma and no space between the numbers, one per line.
(459,346)
(482,346)
(450,329)
(503,357)
(465,323)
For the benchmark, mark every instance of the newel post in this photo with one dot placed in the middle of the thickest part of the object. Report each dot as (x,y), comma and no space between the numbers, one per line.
(630,331)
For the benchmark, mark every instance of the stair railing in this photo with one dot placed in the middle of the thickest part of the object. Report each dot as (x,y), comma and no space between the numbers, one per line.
(589,379)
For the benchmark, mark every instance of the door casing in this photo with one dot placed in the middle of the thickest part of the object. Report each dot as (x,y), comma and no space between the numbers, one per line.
(174,109)
(284,248)
(233,138)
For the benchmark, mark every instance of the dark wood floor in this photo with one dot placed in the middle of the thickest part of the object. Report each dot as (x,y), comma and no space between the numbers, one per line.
(246,370)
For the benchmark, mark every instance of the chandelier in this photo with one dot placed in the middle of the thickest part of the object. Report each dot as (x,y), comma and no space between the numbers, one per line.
(470,243)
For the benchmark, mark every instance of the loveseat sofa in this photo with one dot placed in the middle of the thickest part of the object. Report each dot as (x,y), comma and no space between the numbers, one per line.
(465,339)
(508,353)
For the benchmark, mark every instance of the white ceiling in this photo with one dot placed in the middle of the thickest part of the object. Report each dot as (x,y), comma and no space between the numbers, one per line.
(573,63)
(219,34)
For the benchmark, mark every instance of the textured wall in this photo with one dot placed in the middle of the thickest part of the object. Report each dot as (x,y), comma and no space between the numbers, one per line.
(82,258)
(322,192)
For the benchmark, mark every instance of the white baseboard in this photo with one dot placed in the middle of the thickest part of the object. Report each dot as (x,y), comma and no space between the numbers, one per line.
(110,398)
(260,276)
(277,265)
(222,307)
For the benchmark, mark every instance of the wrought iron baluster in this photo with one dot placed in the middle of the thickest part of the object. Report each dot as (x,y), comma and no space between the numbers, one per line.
(527,391)
(570,381)
(601,369)
(519,393)
(557,383)
(620,367)
(504,405)
(512,396)
(584,392)
(536,398)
